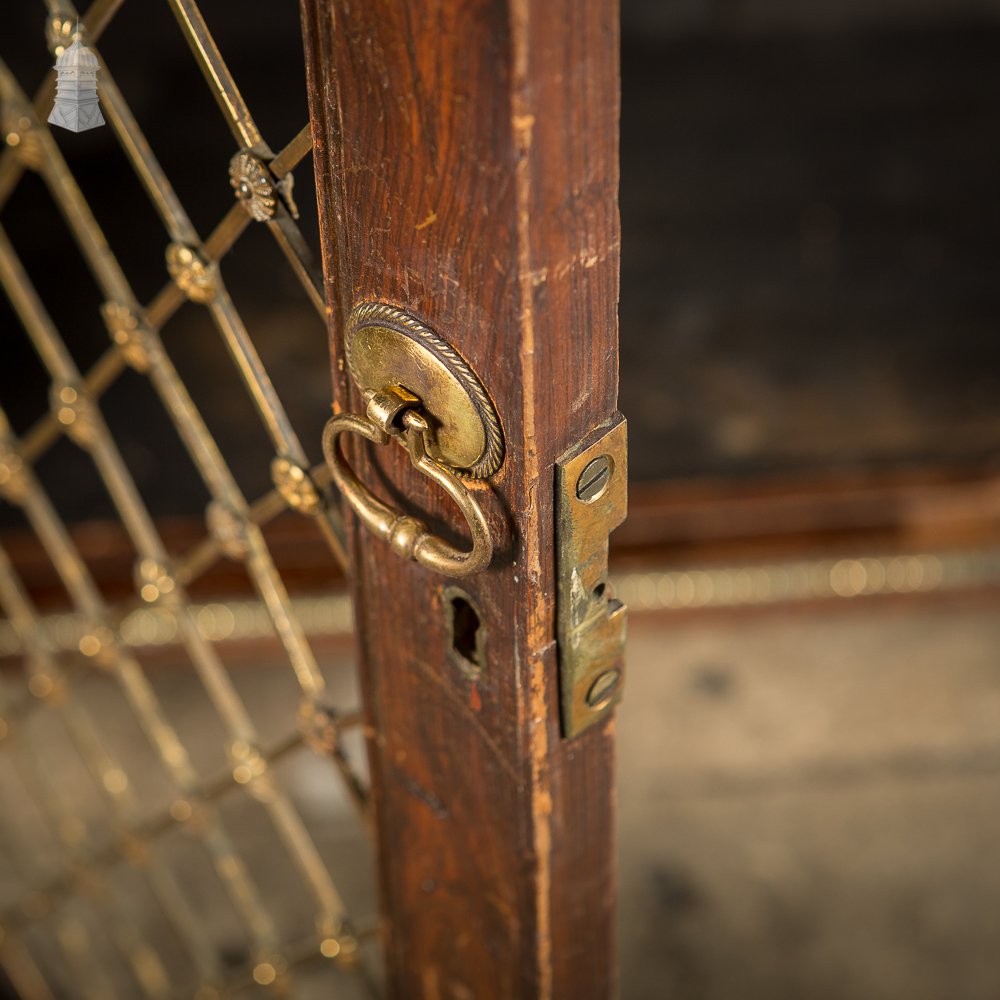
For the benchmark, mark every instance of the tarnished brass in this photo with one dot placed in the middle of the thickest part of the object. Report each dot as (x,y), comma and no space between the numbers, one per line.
(228,528)
(192,274)
(59,32)
(296,487)
(155,581)
(106,632)
(256,188)
(319,726)
(128,331)
(13,479)
(591,501)
(19,134)
(420,391)
(253,186)
(386,346)
(74,411)
(394,413)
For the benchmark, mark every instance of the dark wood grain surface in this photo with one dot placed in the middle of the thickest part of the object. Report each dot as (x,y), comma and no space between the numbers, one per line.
(466,160)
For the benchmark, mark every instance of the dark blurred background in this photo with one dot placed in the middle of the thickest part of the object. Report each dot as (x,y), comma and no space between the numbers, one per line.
(811,371)
(808,207)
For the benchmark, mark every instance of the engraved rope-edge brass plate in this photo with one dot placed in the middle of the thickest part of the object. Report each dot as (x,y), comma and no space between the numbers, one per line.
(386,346)
(419,390)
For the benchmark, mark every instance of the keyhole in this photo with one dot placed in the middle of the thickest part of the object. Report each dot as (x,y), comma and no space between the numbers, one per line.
(466,631)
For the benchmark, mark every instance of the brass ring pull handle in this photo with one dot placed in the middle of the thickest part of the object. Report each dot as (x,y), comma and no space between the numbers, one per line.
(392,413)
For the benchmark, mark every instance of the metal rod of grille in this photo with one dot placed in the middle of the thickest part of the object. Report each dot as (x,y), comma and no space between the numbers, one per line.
(51,676)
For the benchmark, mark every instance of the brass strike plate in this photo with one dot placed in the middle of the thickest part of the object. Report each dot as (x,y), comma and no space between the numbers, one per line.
(591,501)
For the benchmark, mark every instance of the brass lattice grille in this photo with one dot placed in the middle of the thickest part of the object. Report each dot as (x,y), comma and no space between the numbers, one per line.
(69,925)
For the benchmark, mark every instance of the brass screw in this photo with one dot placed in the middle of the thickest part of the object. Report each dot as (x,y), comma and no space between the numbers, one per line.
(594,479)
(603,688)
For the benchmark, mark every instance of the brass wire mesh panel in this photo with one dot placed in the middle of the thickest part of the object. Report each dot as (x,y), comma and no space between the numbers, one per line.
(71,924)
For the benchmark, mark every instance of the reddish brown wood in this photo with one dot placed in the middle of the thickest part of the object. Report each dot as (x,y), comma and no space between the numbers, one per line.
(466,156)
(877,510)
(297,547)
(688,521)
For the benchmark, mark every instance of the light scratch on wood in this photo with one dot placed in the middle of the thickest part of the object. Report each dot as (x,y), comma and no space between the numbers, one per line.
(522,123)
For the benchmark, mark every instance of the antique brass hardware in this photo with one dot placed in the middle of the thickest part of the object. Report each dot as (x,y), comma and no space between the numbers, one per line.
(591,501)
(421,391)
(386,346)
(95,946)
(394,412)
(256,188)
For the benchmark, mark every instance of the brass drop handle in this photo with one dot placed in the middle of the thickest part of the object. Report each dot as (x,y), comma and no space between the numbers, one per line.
(394,413)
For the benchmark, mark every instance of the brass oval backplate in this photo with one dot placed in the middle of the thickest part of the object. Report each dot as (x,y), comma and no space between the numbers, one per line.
(388,347)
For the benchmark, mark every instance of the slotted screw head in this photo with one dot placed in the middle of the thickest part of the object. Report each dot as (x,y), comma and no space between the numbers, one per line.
(594,479)
(603,689)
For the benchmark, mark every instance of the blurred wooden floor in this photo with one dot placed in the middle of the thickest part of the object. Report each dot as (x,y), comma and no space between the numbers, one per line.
(810,805)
